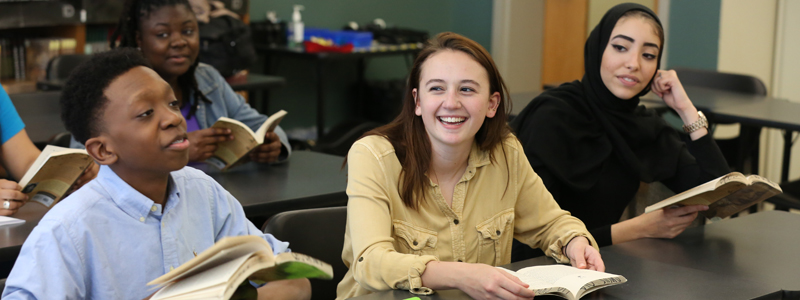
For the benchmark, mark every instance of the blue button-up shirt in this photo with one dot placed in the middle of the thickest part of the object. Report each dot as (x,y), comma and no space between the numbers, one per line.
(107,240)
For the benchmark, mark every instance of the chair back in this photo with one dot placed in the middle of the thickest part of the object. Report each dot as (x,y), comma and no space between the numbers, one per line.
(731,82)
(59,67)
(318,232)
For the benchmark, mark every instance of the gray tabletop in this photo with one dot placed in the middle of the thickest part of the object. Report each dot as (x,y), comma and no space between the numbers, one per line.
(307,180)
(742,258)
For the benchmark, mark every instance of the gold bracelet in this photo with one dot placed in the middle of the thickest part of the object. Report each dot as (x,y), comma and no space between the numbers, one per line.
(702,122)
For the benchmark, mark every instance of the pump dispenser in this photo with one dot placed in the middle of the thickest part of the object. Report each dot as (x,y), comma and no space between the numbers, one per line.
(297,25)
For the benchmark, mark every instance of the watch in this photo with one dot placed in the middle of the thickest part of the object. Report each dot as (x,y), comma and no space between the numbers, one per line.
(702,122)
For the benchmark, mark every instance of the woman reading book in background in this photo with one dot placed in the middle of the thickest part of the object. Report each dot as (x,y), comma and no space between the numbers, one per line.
(437,195)
(17,154)
(165,31)
(592,144)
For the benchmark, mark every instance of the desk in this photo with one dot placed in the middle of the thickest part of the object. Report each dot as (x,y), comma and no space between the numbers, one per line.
(307,180)
(321,58)
(12,237)
(741,258)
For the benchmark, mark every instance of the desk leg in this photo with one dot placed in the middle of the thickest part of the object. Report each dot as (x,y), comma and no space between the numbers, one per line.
(787,155)
(320,101)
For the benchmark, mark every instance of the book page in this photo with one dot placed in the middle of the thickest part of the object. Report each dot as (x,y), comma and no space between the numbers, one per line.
(244,140)
(741,199)
(704,194)
(226,249)
(10,221)
(270,124)
(216,276)
(60,168)
(566,278)
(293,265)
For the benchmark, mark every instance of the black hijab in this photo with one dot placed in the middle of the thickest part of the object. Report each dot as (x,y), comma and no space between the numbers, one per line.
(574,129)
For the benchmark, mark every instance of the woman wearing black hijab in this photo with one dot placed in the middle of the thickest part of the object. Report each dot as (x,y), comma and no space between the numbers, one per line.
(591,142)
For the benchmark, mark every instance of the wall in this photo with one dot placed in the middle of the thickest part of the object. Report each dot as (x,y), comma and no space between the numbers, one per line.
(517,45)
(693,34)
(472,18)
(786,76)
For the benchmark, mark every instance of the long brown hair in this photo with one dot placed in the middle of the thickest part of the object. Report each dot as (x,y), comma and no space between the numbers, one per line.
(407,132)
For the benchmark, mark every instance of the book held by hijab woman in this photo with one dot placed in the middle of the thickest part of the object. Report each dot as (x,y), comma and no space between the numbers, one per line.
(217,272)
(231,153)
(565,281)
(724,196)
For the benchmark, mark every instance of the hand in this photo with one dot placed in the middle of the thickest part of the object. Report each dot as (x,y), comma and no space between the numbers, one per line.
(667,86)
(269,151)
(583,256)
(203,143)
(670,221)
(88,174)
(10,192)
(479,281)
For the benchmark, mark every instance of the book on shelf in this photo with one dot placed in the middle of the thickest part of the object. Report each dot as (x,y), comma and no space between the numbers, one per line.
(232,153)
(565,281)
(217,272)
(53,173)
(725,196)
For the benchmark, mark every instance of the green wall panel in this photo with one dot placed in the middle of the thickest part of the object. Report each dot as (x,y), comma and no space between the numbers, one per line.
(693,34)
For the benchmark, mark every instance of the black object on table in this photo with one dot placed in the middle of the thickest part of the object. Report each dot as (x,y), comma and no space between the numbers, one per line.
(749,257)
(320,60)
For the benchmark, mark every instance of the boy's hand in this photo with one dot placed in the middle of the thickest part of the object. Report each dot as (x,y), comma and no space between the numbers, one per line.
(88,174)
(269,151)
(11,197)
(203,143)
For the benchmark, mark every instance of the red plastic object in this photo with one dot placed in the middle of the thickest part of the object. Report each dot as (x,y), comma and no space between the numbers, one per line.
(312,47)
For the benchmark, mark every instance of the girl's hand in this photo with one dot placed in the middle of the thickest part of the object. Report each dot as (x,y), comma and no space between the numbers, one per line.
(269,151)
(203,143)
(583,256)
(667,86)
(479,281)
(11,197)
(669,221)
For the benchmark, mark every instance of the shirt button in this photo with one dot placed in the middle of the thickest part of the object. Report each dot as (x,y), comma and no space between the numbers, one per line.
(460,260)
(171,268)
(455,221)
(361,258)
(415,243)
(141,219)
(153,208)
(498,232)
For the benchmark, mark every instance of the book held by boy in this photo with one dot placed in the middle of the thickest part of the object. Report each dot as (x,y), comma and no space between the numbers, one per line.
(725,196)
(565,281)
(231,153)
(53,173)
(218,271)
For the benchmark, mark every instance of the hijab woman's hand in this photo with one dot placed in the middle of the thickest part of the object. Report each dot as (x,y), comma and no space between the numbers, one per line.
(667,86)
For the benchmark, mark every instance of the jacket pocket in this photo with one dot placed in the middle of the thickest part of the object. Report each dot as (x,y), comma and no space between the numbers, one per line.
(413,239)
(494,233)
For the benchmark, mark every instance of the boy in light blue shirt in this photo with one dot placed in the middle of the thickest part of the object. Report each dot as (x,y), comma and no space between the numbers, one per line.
(145,213)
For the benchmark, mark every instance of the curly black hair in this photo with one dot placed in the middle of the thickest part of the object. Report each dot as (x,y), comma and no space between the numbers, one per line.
(82,99)
(129,25)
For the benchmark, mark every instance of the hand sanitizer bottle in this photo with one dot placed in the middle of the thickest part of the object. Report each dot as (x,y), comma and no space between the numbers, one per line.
(297,25)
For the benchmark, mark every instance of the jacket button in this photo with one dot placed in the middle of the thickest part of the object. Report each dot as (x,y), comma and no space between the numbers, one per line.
(455,221)
(361,259)
(498,232)
(460,260)
(415,243)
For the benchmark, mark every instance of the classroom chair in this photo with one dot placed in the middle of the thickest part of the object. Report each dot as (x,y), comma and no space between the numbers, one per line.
(318,232)
(58,70)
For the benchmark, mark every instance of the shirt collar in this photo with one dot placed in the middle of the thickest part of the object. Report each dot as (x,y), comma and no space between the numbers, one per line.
(131,201)
(477,158)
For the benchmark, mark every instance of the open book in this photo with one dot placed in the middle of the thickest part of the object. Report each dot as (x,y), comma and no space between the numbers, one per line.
(53,173)
(725,195)
(218,271)
(231,153)
(10,221)
(565,281)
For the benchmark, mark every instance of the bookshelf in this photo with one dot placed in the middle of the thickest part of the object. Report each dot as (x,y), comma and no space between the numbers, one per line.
(85,25)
